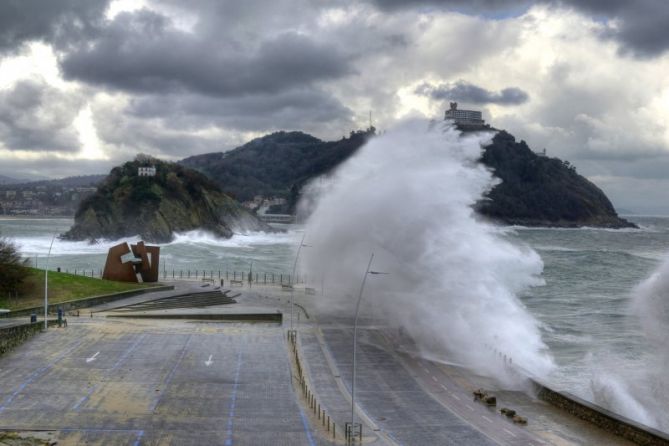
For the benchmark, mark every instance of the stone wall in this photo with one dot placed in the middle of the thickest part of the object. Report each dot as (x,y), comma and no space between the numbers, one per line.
(609,421)
(12,336)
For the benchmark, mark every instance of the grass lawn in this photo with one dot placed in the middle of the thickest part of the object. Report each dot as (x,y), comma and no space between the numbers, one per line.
(62,287)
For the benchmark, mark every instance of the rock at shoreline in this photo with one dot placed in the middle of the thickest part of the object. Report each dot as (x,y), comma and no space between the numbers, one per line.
(175,199)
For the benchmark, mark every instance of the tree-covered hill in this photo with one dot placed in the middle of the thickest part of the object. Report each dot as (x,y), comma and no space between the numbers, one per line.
(176,199)
(539,191)
(275,165)
(535,190)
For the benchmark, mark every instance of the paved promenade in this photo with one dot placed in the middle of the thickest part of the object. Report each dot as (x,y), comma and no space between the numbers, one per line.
(135,381)
(159,382)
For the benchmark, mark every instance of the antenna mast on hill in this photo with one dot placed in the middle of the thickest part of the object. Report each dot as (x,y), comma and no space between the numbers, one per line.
(370,119)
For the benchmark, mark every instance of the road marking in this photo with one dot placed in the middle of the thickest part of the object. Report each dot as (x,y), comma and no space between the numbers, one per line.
(84,398)
(486,418)
(92,358)
(425,368)
(445,388)
(455,396)
(170,375)
(138,439)
(470,407)
(128,351)
(38,374)
(208,361)
(305,424)
(435,379)
(233,401)
(510,433)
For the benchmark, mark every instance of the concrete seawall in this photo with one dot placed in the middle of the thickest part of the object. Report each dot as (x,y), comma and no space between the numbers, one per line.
(228,317)
(601,417)
(86,302)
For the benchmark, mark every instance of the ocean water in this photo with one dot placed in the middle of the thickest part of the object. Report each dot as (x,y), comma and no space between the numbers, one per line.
(584,308)
(191,251)
(587,315)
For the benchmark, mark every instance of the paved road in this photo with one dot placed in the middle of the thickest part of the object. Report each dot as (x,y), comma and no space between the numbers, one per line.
(388,393)
(155,383)
(458,399)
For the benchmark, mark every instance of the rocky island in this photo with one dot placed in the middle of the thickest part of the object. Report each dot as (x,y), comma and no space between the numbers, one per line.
(536,190)
(155,199)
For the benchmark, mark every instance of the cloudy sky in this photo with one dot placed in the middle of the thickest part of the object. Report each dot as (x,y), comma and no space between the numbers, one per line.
(86,84)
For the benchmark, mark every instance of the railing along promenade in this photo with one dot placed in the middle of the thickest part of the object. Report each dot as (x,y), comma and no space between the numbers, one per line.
(233,277)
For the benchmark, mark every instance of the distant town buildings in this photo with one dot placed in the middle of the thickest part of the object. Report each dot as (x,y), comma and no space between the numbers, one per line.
(464,117)
(146,171)
(46,200)
(270,210)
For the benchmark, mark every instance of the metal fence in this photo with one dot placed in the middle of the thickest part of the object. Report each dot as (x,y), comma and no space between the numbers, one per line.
(211,275)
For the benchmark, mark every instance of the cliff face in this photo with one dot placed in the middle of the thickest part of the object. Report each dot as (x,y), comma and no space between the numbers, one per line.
(541,191)
(176,199)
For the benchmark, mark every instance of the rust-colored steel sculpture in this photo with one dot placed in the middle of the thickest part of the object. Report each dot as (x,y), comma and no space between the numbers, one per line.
(125,264)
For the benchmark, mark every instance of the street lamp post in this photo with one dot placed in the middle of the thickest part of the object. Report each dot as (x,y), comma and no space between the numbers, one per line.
(46,283)
(292,278)
(351,431)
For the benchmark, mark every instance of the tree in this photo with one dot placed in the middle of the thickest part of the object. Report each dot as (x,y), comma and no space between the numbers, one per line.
(13,270)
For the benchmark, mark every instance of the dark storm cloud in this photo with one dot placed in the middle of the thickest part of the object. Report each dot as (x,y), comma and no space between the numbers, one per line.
(248,113)
(476,6)
(35,116)
(55,21)
(473,94)
(640,26)
(168,124)
(144,52)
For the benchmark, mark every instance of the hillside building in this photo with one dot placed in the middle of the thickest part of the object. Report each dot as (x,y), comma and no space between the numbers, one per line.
(146,171)
(464,117)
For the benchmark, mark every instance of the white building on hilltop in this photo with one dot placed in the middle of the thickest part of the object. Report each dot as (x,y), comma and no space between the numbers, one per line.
(464,117)
(146,171)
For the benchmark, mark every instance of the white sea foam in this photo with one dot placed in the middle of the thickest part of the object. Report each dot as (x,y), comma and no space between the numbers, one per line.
(453,279)
(30,246)
(40,244)
(641,392)
(245,240)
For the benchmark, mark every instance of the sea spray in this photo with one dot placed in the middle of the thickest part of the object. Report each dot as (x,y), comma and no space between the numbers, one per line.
(453,279)
(641,394)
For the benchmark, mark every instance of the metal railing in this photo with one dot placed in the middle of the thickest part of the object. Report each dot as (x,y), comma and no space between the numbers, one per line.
(312,400)
(231,277)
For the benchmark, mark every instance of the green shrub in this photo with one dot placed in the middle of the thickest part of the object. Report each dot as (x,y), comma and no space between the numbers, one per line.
(12,268)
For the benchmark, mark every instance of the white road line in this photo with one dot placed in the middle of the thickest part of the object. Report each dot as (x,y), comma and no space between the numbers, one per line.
(434,378)
(445,388)
(470,408)
(510,433)
(92,358)
(455,396)
(486,418)
(425,368)
(208,361)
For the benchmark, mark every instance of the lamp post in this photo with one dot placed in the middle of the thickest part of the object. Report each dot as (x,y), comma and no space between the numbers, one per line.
(250,277)
(292,278)
(46,283)
(368,271)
